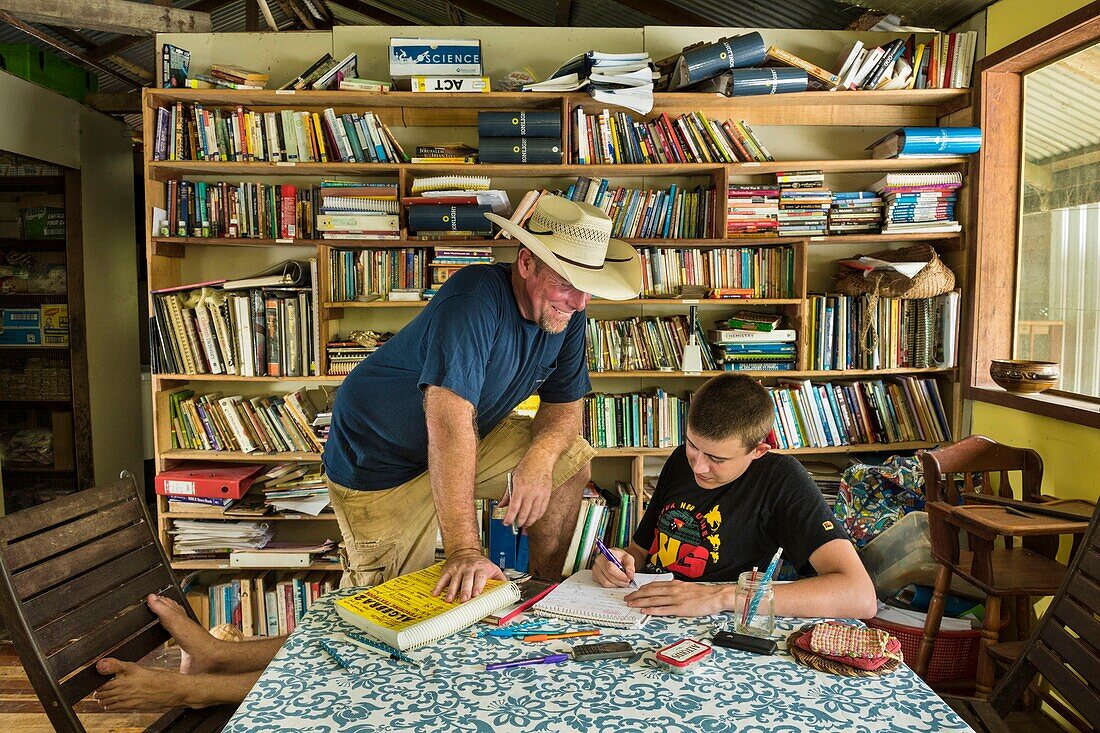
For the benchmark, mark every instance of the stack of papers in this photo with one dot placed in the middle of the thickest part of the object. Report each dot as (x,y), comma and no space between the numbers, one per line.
(915,619)
(873,264)
(623,79)
(301,489)
(196,536)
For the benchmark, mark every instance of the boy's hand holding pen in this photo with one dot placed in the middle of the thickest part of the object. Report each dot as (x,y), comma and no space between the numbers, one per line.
(615,569)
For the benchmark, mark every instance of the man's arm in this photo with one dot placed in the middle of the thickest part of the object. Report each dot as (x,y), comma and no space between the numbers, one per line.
(555,426)
(452,470)
(841,588)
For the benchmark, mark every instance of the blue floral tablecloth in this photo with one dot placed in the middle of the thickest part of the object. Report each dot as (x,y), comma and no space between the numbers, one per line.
(304,689)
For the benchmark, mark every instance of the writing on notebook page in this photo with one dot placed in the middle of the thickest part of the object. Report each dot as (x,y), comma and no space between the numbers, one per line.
(580,598)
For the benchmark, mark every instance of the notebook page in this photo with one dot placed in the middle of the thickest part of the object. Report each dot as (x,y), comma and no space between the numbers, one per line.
(580,598)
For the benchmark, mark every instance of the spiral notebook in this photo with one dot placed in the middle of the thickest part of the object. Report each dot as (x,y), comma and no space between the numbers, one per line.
(404,614)
(580,598)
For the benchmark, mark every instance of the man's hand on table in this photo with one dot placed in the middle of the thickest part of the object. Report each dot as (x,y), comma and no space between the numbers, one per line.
(464,575)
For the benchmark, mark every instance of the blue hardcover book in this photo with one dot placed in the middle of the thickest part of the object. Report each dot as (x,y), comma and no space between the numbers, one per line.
(927,141)
(523,552)
(704,62)
(753,82)
(850,195)
(529,123)
(502,541)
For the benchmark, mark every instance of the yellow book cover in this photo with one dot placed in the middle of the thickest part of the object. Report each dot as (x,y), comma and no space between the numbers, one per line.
(404,614)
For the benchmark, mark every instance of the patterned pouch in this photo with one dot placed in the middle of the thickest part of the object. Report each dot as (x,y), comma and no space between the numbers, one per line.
(842,640)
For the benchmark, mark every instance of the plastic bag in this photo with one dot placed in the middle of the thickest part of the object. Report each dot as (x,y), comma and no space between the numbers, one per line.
(872,498)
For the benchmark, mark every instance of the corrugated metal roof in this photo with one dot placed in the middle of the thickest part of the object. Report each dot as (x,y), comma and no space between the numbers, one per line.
(1061,107)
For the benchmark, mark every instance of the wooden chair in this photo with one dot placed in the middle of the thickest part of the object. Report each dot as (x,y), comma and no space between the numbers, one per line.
(1065,650)
(1008,572)
(74,573)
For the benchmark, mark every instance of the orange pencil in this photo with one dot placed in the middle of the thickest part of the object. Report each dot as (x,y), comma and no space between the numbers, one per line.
(566,635)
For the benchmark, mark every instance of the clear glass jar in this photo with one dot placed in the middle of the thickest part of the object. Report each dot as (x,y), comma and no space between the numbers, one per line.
(758,620)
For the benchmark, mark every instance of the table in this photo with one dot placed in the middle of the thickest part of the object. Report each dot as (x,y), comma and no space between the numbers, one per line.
(731,691)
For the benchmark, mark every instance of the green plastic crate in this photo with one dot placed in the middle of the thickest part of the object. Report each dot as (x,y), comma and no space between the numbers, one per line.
(33,64)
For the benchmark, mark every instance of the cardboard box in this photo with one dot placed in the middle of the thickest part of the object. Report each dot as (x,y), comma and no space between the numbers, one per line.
(434,57)
(55,324)
(21,318)
(21,336)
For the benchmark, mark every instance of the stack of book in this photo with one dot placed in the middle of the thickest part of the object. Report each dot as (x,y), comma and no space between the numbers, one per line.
(358,210)
(261,424)
(368,274)
(632,344)
(297,488)
(826,476)
(920,202)
(450,259)
(813,415)
(730,272)
(519,136)
(855,212)
(453,207)
(673,214)
(445,154)
(344,355)
(637,420)
(803,203)
(900,333)
(224,76)
(614,137)
(198,538)
(752,211)
(754,343)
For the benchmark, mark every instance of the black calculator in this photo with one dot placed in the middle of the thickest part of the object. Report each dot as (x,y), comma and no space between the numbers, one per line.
(602,650)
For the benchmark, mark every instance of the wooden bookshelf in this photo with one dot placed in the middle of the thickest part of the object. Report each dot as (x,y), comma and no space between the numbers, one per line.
(172,258)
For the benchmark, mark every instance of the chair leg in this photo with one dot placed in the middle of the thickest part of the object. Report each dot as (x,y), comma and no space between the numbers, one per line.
(990,634)
(1023,617)
(932,620)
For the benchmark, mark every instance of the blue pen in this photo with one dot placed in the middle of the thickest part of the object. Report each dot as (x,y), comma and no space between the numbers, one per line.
(765,581)
(612,559)
(552,659)
(334,653)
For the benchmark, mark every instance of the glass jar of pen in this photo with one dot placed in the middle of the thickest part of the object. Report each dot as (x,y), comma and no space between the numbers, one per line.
(754,602)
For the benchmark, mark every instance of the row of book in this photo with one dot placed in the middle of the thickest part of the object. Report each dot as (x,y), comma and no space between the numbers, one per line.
(260,424)
(194,132)
(261,603)
(250,333)
(861,332)
(677,213)
(614,137)
(639,420)
(608,515)
(819,415)
(356,274)
(649,343)
(735,272)
(854,212)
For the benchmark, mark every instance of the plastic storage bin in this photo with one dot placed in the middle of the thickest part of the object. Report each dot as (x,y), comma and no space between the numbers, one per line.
(903,554)
(33,64)
(954,653)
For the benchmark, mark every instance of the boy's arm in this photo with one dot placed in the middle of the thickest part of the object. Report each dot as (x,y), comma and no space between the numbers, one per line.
(841,588)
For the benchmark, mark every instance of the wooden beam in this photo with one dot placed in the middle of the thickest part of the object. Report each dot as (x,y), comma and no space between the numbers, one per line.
(86,44)
(1038,176)
(6,17)
(667,12)
(115,45)
(374,12)
(563,13)
(124,103)
(488,11)
(455,14)
(113,16)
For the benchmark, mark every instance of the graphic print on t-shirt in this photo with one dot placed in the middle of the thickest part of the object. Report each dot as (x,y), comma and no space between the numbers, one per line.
(686,539)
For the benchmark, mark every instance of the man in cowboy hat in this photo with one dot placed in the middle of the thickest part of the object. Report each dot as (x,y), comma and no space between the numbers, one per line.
(424,426)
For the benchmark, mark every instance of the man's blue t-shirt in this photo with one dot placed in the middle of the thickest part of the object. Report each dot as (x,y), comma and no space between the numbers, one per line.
(470,339)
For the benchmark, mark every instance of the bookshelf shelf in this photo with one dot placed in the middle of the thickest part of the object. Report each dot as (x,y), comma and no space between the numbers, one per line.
(855,448)
(235,378)
(43,245)
(262,518)
(719,302)
(224,565)
(238,456)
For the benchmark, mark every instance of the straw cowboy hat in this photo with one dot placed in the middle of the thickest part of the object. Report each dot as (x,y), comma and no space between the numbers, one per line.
(574,239)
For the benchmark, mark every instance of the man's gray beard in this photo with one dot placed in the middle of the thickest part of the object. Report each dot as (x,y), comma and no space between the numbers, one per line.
(546,324)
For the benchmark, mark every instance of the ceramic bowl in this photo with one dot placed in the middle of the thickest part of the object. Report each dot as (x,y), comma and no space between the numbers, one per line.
(1023,376)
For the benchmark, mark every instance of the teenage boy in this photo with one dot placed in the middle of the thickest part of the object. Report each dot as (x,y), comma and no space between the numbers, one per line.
(723,505)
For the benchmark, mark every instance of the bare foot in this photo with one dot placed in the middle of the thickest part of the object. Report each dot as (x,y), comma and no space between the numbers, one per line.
(200,649)
(134,686)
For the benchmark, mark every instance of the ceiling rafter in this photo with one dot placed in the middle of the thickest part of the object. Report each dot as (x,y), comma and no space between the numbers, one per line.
(112,16)
(668,12)
(87,44)
(488,11)
(563,13)
(384,15)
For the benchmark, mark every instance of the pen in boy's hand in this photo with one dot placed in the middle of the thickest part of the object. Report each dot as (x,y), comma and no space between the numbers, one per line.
(613,560)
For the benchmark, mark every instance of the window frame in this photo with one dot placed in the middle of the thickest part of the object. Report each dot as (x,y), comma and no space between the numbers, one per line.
(995,200)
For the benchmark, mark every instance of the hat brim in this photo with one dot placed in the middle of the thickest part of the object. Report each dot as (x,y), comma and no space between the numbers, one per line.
(620,278)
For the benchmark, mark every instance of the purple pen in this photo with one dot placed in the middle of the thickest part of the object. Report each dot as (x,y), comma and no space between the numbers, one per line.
(612,559)
(552,659)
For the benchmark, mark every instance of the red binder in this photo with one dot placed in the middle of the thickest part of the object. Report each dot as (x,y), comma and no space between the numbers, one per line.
(208,480)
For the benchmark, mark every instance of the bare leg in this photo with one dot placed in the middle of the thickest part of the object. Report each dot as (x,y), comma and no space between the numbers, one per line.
(135,686)
(551,534)
(202,653)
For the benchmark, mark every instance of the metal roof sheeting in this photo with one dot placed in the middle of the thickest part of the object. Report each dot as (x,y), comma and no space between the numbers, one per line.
(1062,106)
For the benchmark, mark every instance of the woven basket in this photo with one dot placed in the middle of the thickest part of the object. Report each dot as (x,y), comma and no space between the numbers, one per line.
(822,664)
(934,279)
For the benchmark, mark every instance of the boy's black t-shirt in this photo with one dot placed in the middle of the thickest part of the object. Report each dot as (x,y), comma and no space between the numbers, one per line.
(716,534)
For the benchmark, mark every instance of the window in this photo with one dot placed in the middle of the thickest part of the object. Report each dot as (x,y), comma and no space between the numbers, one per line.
(1058,278)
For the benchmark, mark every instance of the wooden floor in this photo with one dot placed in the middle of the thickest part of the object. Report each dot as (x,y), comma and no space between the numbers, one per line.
(20,710)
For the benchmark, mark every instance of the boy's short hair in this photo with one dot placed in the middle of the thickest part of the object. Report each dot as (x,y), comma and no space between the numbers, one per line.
(732,406)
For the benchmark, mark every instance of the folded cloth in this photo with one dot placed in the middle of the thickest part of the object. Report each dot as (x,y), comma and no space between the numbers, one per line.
(893,651)
(844,640)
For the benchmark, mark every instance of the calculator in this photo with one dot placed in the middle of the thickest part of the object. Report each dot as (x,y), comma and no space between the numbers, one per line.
(602,650)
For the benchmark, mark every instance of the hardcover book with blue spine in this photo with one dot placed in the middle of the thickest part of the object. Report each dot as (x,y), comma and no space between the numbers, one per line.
(752,82)
(928,141)
(702,63)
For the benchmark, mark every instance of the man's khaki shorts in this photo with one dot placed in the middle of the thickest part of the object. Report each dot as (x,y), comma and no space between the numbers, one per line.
(393,531)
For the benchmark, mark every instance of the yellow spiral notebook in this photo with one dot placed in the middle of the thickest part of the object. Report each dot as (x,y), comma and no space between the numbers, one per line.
(580,598)
(404,614)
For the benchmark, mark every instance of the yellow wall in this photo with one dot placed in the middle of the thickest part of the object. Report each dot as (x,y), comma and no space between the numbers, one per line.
(1071,453)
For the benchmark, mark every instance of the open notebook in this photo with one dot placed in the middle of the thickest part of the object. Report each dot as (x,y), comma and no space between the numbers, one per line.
(404,614)
(579,598)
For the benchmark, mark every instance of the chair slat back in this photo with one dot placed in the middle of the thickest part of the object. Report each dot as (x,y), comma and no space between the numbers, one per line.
(74,573)
(1065,647)
(977,454)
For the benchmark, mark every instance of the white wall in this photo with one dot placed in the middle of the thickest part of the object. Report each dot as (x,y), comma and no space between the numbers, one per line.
(42,124)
